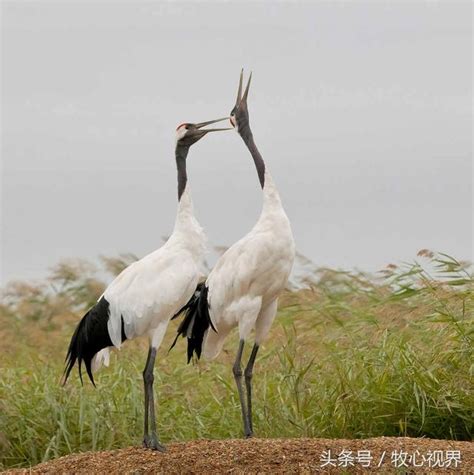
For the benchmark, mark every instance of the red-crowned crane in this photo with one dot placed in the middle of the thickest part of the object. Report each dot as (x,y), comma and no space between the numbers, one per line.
(143,297)
(242,289)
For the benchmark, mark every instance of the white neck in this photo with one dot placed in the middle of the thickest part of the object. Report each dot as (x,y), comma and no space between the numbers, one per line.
(271,197)
(187,229)
(185,210)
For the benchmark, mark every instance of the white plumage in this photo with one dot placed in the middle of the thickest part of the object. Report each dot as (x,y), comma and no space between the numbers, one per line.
(247,279)
(243,288)
(150,291)
(144,297)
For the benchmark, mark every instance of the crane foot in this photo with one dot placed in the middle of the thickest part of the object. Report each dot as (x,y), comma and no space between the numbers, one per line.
(151,442)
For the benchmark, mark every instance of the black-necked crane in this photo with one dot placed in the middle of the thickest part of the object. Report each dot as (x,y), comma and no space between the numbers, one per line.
(142,299)
(243,288)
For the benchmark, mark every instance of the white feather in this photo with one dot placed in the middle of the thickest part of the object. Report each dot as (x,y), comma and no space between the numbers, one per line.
(247,279)
(102,358)
(150,291)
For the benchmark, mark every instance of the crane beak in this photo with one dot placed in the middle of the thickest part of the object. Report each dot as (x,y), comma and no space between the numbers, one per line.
(242,99)
(209,122)
(196,131)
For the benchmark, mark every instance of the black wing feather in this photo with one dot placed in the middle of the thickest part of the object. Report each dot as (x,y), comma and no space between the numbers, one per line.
(91,336)
(196,321)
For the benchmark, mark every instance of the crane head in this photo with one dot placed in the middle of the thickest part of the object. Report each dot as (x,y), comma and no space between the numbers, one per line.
(239,116)
(188,134)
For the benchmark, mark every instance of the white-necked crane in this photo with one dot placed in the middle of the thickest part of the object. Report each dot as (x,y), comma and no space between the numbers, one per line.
(243,288)
(142,299)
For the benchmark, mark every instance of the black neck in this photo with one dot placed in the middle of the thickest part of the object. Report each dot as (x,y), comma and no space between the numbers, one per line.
(257,158)
(181,154)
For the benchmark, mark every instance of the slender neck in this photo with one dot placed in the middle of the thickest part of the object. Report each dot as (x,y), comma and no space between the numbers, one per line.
(181,154)
(257,158)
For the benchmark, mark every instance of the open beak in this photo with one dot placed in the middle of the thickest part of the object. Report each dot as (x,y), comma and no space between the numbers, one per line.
(209,122)
(242,99)
(196,132)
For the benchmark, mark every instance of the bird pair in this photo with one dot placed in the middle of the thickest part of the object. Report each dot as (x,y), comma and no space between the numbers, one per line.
(241,291)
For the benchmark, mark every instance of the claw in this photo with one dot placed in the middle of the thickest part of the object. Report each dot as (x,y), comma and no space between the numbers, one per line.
(152,443)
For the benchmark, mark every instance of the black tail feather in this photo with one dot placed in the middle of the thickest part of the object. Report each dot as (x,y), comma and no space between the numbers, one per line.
(196,321)
(91,336)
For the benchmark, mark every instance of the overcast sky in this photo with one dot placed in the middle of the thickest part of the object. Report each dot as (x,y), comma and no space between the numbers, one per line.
(363,113)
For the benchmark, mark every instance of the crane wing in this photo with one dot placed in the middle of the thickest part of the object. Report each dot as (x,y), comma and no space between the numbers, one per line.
(250,269)
(150,291)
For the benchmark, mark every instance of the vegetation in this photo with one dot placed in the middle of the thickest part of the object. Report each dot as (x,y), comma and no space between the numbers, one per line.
(349,356)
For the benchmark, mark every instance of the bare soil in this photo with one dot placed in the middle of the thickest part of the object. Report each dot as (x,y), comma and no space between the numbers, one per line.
(273,456)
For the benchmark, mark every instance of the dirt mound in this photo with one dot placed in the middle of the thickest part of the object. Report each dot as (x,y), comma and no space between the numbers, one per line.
(383,454)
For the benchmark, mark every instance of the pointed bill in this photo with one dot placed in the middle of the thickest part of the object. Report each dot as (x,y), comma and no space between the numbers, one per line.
(246,93)
(217,130)
(239,92)
(209,122)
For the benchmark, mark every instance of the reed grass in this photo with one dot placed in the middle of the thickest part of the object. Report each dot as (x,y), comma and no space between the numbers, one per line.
(349,356)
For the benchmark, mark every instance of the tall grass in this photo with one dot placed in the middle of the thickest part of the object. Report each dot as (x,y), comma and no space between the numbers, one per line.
(349,356)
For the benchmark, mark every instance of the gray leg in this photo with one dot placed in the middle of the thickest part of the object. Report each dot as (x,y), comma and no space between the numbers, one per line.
(147,399)
(237,370)
(150,440)
(248,385)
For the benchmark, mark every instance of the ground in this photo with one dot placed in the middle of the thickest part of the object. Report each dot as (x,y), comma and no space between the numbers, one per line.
(397,455)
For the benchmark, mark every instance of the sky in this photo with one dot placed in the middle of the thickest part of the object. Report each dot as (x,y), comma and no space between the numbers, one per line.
(362,112)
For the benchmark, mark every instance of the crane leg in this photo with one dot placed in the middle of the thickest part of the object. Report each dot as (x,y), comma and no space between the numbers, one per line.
(237,370)
(248,384)
(150,439)
(147,399)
